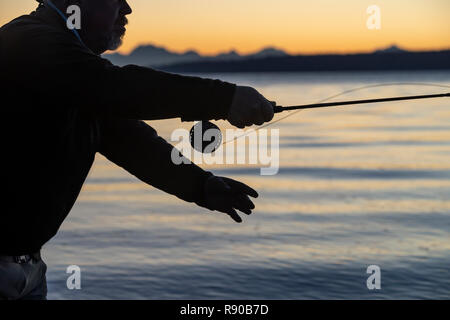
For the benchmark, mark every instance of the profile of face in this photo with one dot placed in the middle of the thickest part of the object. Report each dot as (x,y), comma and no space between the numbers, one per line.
(103,23)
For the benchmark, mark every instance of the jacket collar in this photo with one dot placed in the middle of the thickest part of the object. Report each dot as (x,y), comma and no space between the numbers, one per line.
(49,16)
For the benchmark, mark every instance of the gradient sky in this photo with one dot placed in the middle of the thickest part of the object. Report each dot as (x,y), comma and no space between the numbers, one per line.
(297,26)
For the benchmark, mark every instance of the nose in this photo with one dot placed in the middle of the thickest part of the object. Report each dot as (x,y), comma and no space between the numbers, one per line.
(126,9)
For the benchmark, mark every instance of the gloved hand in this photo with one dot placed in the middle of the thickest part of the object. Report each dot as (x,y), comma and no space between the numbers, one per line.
(249,107)
(226,195)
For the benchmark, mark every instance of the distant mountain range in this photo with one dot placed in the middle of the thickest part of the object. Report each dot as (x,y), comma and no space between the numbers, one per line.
(272,59)
(153,56)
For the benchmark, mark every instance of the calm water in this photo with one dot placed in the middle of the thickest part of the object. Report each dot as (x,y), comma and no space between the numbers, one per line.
(357,186)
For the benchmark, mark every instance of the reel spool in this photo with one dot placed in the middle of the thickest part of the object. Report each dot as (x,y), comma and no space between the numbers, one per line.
(205,137)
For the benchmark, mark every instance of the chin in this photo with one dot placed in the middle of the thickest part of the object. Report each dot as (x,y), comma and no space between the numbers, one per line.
(114,45)
(115,42)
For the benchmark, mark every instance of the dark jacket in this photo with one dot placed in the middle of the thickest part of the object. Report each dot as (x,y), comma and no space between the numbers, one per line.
(61,104)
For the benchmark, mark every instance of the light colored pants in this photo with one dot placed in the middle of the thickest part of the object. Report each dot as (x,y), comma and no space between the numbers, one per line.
(23,281)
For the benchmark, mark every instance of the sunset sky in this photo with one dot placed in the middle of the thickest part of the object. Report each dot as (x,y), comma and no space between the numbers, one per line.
(297,26)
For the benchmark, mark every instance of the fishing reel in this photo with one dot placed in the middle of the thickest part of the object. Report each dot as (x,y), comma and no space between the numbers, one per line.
(205,137)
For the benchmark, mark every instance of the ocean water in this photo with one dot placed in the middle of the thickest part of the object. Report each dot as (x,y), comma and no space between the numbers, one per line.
(357,186)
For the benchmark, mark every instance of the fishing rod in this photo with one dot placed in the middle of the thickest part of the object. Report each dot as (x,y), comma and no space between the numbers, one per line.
(212,144)
(278,109)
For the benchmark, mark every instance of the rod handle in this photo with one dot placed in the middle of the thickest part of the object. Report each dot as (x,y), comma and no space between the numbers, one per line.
(278,109)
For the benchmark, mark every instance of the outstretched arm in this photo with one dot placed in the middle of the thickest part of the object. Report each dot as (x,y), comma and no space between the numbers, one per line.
(62,73)
(136,147)
(61,69)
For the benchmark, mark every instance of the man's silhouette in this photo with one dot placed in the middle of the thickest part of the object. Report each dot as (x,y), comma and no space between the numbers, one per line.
(62,103)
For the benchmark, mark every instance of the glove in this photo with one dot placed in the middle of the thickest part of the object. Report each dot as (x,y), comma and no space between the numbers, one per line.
(227,195)
(249,107)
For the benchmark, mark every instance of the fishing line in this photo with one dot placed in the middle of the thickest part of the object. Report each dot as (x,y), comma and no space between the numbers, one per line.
(291,113)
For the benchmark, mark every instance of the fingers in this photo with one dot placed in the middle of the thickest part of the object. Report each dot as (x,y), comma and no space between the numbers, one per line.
(249,107)
(258,117)
(242,203)
(258,120)
(240,199)
(240,187)
(227,195)
(263,112)
(233,214)
(239,124)
(267,110)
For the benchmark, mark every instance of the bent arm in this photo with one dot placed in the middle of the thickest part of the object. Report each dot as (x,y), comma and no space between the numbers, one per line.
(136,147)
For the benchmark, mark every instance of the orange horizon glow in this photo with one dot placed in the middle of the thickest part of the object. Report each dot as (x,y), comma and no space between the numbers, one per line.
(295,26)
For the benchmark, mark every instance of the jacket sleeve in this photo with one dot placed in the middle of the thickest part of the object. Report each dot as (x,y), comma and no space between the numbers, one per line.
(136,147)
(66,70)
(134,92)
